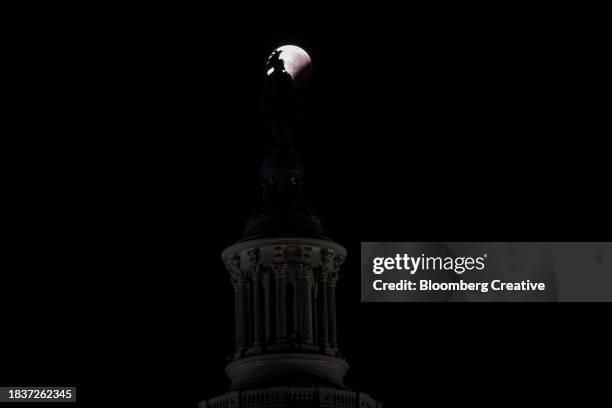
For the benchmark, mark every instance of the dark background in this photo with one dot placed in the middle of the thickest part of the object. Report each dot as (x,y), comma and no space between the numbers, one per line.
(131,154)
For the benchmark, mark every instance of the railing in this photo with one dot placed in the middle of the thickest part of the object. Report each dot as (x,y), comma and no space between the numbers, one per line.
(282,396)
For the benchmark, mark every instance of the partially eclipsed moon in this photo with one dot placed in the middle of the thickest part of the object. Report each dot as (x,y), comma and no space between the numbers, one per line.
(297,64)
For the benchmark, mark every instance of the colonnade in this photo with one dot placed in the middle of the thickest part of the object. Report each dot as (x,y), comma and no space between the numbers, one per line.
(286,303)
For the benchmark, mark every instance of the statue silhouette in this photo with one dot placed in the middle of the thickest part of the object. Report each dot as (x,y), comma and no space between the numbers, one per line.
(279,102)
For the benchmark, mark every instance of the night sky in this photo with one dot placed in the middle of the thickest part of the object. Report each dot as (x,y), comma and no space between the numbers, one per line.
(135,163)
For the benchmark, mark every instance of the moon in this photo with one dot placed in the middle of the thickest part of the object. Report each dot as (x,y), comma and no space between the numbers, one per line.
(297,64)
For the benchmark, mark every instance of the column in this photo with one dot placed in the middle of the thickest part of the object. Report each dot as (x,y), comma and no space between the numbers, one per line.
(336,262)
(327,256)
(306,296)
(323,315)
(250,320)
(333,338)
(299,302)
(270,315)
(315,314)
(308,335)
(236,316)
(243,314)
(233,267)
(258,309)
(304,302)
(281,307)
